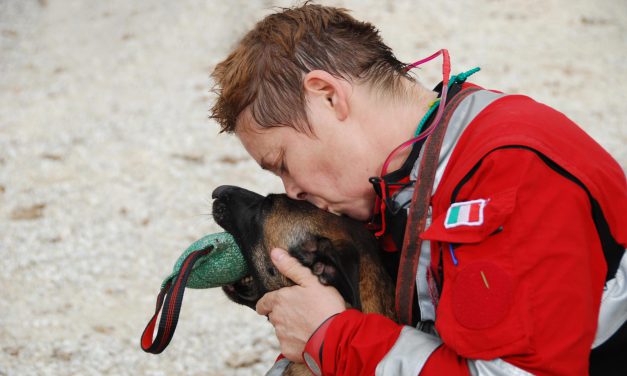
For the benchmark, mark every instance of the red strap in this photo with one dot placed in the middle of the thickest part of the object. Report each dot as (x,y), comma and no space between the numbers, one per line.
(419,207)
(173,293)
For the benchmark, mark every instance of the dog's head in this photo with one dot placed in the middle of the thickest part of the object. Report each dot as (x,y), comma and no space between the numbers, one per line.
(330,245)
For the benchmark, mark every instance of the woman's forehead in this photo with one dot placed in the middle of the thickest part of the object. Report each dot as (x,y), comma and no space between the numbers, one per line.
(260,142)
(246,123)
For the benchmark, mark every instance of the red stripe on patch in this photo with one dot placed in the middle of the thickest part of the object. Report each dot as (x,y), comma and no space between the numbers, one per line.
(473,216)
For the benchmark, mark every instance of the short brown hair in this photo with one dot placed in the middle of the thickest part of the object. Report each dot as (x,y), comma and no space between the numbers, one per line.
(266,69)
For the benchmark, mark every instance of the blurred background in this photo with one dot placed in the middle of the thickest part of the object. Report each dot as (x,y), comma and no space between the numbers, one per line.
(108,158)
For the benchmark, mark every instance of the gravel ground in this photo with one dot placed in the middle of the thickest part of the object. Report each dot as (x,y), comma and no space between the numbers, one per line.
(107,158)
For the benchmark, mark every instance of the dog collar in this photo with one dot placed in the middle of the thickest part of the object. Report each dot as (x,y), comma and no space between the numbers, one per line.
(312,355)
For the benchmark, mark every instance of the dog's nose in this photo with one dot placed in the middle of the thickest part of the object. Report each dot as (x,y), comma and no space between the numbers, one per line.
(231,193)
(222,190)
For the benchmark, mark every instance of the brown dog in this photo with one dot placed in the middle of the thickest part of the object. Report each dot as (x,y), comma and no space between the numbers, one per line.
(339,250)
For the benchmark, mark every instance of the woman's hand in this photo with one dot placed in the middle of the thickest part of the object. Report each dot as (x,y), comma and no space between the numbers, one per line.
(297,311)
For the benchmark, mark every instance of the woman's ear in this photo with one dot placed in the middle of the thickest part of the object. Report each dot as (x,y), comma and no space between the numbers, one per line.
(330,91)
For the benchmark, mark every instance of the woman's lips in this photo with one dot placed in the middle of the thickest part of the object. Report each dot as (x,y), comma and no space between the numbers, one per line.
(333,211)
(326,207)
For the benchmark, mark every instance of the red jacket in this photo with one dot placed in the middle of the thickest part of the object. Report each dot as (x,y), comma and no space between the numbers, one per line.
(529,279)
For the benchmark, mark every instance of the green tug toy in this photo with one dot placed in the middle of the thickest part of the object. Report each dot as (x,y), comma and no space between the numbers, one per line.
(214,260)
(222,266)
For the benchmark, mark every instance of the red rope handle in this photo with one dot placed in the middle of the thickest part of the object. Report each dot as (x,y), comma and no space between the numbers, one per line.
(173,293)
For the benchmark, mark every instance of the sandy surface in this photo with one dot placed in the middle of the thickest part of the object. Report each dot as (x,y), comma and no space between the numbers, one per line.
(107,159)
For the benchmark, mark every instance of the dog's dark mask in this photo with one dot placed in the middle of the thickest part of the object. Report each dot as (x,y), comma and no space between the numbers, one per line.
(326,243)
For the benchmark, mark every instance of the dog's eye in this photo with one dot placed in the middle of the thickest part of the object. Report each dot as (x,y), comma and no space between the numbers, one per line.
(272,271)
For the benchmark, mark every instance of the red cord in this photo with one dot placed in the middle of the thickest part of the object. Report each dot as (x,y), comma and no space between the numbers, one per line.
(446,73)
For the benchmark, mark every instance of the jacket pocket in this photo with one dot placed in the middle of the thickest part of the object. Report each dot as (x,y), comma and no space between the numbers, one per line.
(483,312)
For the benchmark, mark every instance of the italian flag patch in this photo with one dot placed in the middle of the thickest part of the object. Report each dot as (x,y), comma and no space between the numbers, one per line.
(467,213)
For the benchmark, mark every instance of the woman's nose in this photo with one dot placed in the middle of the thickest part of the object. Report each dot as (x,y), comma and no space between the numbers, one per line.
(293,191)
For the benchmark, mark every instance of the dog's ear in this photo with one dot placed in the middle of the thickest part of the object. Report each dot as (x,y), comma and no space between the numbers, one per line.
(335,263)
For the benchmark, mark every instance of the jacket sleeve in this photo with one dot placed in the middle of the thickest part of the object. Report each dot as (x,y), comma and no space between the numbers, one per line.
(355,343)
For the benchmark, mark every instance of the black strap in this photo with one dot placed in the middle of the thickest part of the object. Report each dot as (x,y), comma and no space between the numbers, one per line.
(173,292)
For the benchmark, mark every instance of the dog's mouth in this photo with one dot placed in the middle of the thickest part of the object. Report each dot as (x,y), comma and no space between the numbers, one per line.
(245,291)
(236,210)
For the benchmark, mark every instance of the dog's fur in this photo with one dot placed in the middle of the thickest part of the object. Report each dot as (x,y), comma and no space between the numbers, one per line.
(339,250)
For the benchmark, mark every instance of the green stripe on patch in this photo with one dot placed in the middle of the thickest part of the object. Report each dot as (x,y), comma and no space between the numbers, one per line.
(453,214)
